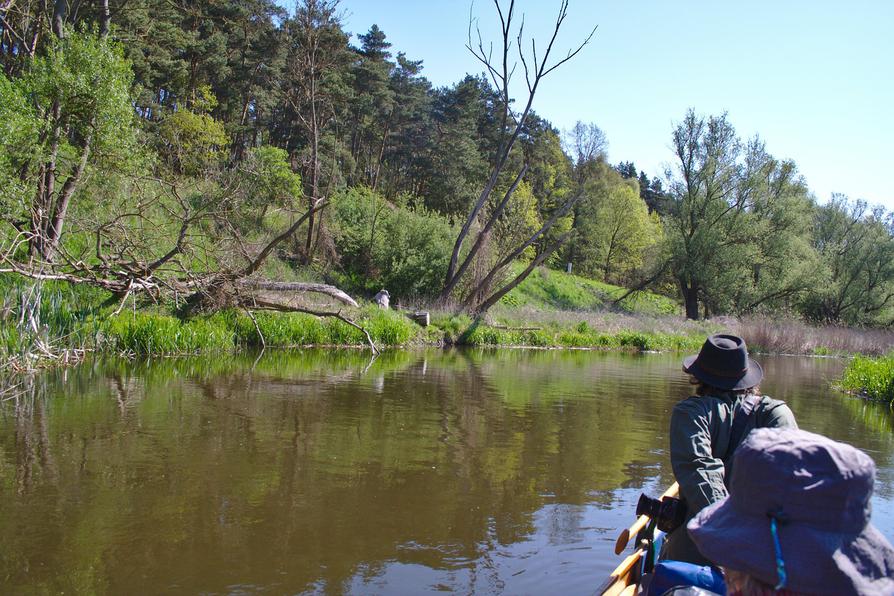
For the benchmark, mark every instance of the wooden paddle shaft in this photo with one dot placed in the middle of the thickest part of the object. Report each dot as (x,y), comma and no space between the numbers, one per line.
(619,578)
(641,522)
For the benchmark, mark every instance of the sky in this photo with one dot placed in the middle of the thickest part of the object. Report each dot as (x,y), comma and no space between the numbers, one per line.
(814,79)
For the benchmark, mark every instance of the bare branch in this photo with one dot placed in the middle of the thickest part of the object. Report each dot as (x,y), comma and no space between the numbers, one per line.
(318,313)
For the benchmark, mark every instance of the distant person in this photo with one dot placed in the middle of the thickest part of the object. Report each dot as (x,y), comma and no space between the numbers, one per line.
(383,299)
(706,428)
(796,520)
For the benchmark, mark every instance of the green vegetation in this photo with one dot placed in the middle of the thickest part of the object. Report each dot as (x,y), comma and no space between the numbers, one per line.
(870,377)
(581,336)
(164,160)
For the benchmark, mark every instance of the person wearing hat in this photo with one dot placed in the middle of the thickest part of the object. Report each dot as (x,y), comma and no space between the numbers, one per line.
(706,428)
(796,520)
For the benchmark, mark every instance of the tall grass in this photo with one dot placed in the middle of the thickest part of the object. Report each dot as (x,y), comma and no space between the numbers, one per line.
(386,328)
(870,377)
(581,335)
(155,334)
(796,337)
(40,320)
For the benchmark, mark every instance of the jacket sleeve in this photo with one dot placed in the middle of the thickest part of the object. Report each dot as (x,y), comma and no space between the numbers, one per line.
(699,473)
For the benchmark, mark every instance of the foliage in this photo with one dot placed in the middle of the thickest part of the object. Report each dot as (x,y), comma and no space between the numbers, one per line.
(736,230)
(856,246)
(614,228)
(19,126)
(235,116)
(194,141)
(91,81)
(383,246)
(270,179)
(870,377)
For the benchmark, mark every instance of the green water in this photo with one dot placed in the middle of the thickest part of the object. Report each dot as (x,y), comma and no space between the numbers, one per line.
(320,472)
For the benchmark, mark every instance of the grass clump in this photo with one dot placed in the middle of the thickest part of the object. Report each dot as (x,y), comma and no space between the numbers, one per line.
(386,328)
(156,334)
(870,377)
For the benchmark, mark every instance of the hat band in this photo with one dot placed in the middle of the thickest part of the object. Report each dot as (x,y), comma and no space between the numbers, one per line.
(721,373)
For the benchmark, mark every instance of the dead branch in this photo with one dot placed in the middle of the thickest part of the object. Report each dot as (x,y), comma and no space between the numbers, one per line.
(301,287)
(259,303)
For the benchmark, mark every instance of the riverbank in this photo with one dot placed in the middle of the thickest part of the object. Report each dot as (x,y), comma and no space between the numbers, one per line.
(53,323)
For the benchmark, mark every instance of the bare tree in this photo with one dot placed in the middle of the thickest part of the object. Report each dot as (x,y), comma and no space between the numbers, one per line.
(500,69)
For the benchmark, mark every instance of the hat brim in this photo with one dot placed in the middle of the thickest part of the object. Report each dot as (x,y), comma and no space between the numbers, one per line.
(816,561)
(751,378)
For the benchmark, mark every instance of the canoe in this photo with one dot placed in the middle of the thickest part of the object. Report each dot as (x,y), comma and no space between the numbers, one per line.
(626,577)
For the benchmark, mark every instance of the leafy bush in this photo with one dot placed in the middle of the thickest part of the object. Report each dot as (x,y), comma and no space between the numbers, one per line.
(382,245)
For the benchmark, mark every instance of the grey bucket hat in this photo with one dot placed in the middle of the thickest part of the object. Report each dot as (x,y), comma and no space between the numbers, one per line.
(797,516)
(724,363)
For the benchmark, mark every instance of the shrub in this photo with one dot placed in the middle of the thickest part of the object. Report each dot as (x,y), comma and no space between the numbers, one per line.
(382,245)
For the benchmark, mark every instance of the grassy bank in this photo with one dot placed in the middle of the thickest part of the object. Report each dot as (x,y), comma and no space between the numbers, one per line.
(872,378)
(43,323)
(547,289)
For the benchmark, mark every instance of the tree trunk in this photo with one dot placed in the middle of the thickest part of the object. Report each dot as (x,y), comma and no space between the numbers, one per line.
(60,11)
(690,299)
(105,18)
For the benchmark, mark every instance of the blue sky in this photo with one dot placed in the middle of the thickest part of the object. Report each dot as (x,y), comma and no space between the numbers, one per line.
(814,79)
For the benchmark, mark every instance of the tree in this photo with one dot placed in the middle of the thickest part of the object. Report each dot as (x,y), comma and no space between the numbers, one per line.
(500,70)
(316,68)
(702,230)
(614,229)
(737,234)
(81,100)
(856,245)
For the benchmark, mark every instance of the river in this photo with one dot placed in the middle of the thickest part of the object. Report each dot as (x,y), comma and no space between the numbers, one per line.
(319,472)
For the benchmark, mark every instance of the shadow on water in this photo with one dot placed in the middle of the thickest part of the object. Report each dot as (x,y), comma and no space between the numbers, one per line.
(322,471)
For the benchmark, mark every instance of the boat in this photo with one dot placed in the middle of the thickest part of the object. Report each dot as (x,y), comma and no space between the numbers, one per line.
(626,578)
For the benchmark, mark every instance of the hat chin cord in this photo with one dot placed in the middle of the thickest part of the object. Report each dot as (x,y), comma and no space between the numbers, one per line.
(780,562)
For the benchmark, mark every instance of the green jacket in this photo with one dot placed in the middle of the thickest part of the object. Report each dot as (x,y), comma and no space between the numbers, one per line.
(701,454)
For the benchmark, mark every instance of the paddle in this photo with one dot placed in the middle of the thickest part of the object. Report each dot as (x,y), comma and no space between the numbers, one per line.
(641,522)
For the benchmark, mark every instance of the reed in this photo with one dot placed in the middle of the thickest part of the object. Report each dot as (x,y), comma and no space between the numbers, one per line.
(781,336)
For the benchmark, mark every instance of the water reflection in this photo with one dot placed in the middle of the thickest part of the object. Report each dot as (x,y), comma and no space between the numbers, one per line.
(469,471)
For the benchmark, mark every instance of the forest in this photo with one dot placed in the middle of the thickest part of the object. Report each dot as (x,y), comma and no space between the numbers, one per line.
(188,152)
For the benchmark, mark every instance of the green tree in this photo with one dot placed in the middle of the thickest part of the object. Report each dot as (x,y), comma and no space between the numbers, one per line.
(704,230)
(856,245)
(81,97)
(316,72)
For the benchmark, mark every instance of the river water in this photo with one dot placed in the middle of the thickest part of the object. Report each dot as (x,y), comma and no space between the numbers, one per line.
(320,472)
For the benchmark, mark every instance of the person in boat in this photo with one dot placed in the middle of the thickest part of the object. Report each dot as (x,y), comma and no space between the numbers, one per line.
(797,520)
(705,429)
